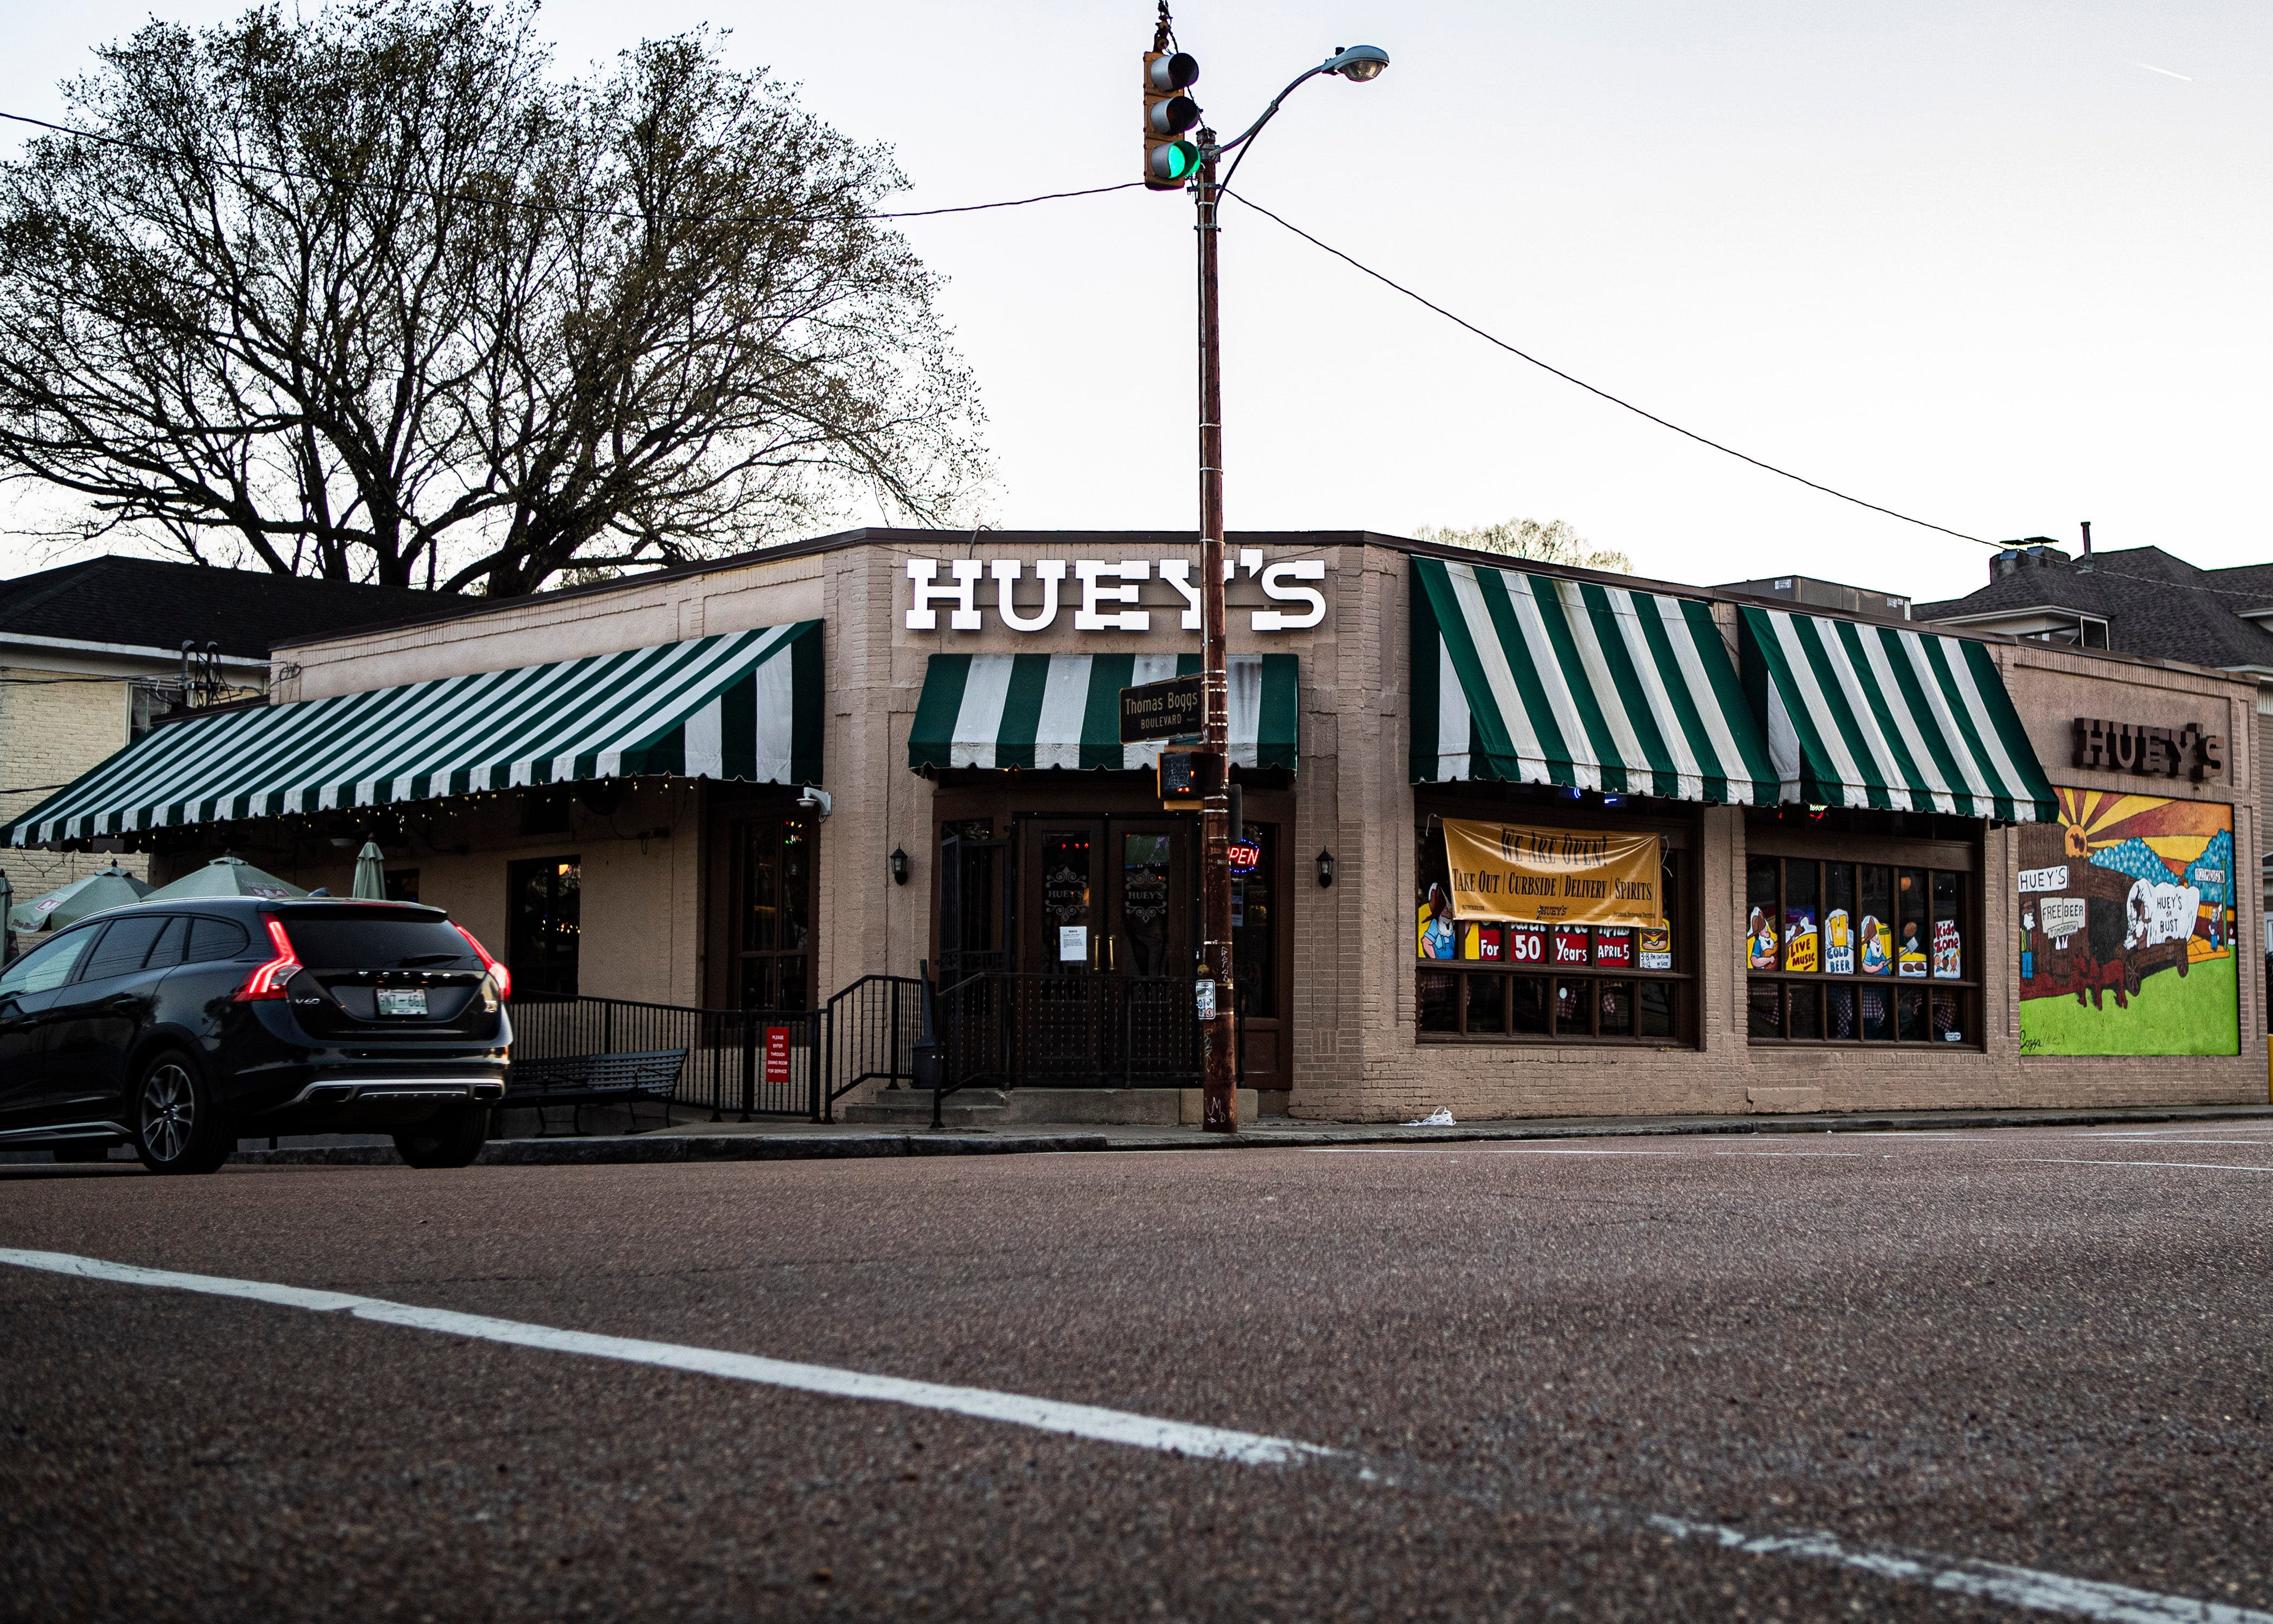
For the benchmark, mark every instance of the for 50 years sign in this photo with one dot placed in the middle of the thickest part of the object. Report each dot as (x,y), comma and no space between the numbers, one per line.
(1564,876)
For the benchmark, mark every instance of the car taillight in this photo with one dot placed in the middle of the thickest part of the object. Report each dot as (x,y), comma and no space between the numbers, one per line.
(268,980)
(498,972)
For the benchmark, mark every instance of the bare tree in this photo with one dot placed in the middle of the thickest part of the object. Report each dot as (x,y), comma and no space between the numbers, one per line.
(1554,542)
(371,292)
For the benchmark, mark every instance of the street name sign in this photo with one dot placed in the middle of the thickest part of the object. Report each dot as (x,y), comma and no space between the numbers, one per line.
(1175,708)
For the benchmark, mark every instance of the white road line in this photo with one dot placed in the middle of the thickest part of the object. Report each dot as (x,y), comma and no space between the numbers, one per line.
(2015,1587)
(2207,1166)
(2224,1143)
(1111,1427)
(2020,1587)
(1478,1145)
(1848,1154)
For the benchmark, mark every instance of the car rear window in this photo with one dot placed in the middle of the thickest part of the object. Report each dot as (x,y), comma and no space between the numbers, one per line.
(212,939)
(363,941)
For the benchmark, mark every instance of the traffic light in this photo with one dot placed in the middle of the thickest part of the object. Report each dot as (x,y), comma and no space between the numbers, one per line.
(1168,112)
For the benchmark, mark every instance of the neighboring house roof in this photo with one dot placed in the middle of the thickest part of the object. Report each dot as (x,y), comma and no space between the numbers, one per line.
(151,603)
(2155,605)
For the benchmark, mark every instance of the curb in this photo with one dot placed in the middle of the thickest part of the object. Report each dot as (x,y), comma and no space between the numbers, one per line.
(626,1149)
(620,1150)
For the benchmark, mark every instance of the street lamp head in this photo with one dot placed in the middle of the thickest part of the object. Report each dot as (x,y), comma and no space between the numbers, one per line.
(1358,63)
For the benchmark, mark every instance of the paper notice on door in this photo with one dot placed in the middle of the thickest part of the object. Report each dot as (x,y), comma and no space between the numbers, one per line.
(1073,944)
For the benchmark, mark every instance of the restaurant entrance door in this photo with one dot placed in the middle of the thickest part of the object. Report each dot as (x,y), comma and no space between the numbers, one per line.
(1107,895)
(1101,996)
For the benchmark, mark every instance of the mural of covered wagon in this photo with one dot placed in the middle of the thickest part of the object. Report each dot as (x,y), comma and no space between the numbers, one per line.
(2106,931)
(2123,888)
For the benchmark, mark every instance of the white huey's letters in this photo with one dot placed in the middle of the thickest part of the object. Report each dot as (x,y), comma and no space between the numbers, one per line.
(1106,595)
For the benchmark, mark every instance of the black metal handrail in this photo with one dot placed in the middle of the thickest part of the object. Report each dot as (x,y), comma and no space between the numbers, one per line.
(870,1034)
(1069,1031)
(755,1062)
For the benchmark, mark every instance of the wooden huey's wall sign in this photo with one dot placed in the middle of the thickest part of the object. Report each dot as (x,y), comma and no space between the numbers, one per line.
(2151,752)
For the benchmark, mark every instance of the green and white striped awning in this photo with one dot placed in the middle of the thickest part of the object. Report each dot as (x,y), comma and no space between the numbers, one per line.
(1875,716)
(1537,680)
(1064,710)
(745,705)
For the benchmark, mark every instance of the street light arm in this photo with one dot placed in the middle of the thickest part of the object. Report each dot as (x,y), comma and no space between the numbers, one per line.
(1248,134)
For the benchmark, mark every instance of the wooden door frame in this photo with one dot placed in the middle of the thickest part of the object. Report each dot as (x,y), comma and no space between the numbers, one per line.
(1008,799)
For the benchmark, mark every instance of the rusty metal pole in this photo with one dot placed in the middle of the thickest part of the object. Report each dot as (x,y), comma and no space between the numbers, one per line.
(1220,1091)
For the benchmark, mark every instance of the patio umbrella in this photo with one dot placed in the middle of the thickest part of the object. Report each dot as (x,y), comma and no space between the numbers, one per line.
(370,878)
(107,888)
(228,876)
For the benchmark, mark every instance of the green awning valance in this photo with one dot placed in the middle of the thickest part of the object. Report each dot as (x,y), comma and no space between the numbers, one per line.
(1031,711)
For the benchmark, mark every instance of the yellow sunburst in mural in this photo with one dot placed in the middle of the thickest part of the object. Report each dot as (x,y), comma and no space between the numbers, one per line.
(2176,832)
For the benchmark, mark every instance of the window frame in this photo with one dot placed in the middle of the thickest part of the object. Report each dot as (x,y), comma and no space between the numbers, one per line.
(1929,856)
(746,822)
(1680,849)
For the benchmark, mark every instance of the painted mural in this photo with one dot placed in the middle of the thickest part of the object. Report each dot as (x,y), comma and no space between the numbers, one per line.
(2127,921)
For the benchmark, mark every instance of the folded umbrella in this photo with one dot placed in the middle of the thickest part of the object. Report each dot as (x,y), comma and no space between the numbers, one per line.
(371,876)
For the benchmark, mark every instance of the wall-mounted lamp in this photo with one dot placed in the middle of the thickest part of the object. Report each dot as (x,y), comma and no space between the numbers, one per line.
(899,866)
(1325,868)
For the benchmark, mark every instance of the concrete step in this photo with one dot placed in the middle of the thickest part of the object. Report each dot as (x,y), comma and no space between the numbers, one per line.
(910,1107)
(972,1108)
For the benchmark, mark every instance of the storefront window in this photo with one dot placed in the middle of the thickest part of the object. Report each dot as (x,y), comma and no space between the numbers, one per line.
(774,925)
(1513,981)
(546,919)
(1817,974)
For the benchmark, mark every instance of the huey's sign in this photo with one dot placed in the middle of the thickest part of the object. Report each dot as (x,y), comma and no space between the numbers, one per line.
(2153,752)
(1101,594)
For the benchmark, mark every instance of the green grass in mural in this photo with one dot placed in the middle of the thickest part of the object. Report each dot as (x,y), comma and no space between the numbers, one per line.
(2171,1016)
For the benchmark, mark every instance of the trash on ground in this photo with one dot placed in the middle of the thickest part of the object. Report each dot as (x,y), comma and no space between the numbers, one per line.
(1441,1117)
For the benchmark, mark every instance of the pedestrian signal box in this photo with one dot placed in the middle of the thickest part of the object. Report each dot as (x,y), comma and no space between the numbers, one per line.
(1188,777)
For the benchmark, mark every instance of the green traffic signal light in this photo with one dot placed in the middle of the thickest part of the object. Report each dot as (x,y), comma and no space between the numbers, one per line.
(1171,162)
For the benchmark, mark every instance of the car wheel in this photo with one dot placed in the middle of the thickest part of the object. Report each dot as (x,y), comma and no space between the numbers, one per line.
(452,1139)
(177,1127)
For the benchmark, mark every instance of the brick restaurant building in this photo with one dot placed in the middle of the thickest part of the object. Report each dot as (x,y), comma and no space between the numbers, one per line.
(1878,868)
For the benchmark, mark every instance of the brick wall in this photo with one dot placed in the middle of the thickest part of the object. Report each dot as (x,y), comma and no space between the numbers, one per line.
(51,732)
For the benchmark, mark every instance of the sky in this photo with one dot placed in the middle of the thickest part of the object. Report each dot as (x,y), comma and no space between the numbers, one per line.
(2002,266)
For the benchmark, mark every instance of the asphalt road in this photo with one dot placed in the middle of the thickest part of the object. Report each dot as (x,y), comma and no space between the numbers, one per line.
(1911,1353)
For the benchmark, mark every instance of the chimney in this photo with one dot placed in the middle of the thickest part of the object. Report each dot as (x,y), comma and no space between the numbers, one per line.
(2086,562)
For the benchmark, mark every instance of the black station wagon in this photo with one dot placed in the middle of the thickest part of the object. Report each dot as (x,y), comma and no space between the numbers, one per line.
(179,1026)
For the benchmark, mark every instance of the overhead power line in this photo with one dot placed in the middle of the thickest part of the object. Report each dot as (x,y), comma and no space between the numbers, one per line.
(1613,400)
(485,199)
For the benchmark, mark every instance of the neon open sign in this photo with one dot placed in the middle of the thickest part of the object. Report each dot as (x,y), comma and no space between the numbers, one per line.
(1244,857)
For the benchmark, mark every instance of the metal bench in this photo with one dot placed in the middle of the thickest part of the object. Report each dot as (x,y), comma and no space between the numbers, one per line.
(578,1080)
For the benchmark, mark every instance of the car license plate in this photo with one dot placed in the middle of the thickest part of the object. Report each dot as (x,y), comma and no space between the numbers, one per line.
(403,1000)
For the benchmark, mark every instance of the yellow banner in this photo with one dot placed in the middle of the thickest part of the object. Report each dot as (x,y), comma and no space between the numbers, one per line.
(1566,876)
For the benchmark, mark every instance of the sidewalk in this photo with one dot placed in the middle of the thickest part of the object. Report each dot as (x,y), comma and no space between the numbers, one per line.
(797,1142)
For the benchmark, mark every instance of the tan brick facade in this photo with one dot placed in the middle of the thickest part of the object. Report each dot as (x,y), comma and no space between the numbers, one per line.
(57,721)
(1355,1053)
